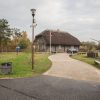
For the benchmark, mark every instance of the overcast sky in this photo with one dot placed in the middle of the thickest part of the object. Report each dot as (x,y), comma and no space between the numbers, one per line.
(81,18)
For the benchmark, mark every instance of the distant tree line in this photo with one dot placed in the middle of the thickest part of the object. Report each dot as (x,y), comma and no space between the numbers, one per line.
(12,37)
(90,46)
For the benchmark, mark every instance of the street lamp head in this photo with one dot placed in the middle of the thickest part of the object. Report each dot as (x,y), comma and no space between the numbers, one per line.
(33,12)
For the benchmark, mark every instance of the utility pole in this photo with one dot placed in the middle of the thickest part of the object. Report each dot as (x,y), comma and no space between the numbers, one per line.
(33,24)
(50,42)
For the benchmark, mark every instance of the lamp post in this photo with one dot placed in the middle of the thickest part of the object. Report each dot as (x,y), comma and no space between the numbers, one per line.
(33,24)
(50,42)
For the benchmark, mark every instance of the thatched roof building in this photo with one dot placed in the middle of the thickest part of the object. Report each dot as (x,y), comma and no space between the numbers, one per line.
(61,39)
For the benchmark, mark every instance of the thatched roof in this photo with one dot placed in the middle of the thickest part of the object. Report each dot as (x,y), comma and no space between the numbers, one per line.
(58,37)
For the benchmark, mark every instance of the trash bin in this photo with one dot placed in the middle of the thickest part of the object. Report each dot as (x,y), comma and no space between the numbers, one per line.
(6,68)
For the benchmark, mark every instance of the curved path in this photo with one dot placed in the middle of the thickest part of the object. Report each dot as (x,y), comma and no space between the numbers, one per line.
(64,66)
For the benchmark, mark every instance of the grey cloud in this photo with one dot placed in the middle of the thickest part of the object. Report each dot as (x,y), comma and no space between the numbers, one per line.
(75,16)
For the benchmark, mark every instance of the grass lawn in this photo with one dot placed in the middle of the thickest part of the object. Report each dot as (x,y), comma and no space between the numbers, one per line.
(84,58)
(22,64)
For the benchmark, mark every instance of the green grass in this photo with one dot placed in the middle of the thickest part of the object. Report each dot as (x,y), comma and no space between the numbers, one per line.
(21,64)
(84,58)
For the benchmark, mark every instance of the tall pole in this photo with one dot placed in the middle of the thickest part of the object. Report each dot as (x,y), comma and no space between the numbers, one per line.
(32,47)
(33,23)
(50,42)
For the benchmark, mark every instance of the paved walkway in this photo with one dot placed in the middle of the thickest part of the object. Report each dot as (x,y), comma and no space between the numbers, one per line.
(48,88)
(64,66)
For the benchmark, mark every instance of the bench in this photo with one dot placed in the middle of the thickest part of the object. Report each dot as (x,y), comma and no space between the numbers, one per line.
(97,62)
